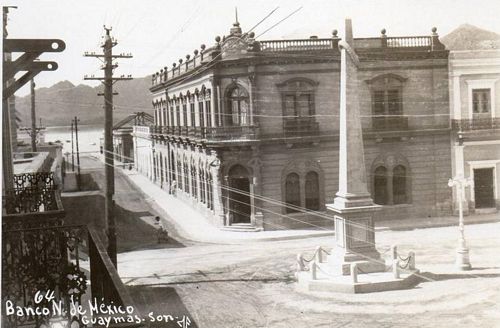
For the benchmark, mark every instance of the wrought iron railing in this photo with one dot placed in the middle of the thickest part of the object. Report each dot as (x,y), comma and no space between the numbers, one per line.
(246,132)
(32,192)
(476,124)
(58,260)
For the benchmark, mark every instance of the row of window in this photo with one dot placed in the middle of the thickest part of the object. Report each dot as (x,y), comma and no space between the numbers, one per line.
(390,187)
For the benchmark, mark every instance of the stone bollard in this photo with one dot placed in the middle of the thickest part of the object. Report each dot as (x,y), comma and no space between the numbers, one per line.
(319,254)
(395,268)
(411,264)
(313,270)
(354,272)
(394,252)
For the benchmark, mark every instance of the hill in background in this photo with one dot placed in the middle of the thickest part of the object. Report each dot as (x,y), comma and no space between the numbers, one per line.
(60,103)
(469,37)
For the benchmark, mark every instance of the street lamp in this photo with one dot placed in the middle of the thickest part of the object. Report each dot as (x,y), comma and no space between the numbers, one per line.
(462,261)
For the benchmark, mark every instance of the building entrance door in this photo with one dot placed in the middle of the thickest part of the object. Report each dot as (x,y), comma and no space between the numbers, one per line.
(483,188)
(239,195)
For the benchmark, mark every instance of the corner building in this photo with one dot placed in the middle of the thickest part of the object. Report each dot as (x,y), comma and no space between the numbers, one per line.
(246,131)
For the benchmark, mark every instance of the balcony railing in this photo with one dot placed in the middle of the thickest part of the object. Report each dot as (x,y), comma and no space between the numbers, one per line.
(32,192)
(56,259)
(387,123)
(300,127)
(218,133)
(489,123)
(298,45)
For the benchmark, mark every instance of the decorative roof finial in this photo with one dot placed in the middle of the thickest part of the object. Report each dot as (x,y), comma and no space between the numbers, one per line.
(236,14)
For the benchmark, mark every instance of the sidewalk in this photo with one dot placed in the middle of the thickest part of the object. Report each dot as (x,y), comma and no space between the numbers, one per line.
(191,225)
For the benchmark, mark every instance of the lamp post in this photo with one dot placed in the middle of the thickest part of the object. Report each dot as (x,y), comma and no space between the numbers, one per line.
(462,261)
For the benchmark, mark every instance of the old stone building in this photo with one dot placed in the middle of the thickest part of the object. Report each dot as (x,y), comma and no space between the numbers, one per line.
(247,131)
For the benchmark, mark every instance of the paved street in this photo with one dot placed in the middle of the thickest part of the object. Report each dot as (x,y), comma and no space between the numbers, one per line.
(251,285)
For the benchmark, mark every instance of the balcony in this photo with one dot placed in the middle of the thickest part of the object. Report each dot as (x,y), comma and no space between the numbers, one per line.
(40,253)
(489,123)
(230,133)
(33,193)
(218,133)
(300,127)
(387,123)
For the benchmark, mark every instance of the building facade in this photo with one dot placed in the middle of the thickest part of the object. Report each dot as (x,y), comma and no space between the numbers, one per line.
(247,131)
(475,110)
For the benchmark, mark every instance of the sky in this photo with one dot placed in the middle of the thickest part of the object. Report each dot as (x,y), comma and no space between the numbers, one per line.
(159,32)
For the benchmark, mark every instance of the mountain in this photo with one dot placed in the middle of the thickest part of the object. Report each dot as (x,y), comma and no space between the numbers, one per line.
(470,37)
(60,103)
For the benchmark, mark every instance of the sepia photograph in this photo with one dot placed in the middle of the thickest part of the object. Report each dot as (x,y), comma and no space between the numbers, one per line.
(250,164)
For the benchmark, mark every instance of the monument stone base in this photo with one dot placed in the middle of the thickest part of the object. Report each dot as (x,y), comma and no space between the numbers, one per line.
(366,283)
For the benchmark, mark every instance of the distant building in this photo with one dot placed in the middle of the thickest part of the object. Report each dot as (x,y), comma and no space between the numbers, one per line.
(475,110)
(123,145)
(247,131)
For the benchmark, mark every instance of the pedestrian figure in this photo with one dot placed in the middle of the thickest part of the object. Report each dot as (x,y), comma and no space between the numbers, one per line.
(162,234)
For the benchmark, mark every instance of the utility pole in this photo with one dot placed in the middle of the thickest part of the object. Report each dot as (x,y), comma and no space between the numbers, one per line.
(108,80)
(78,180)
(72,151)
(33,117)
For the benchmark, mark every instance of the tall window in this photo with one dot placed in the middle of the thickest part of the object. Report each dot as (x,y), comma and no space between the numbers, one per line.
(298,98)
(193,114)
(481,101)
(387,102)
(292,191)
(239,107)
(208,110)
(177,115)
(312,191)
(194,180)
(390,186)
(202,117)
(184,114)
(399,184)
(186,176)
(380,186)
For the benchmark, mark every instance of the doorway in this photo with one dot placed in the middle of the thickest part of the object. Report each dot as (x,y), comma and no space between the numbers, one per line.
(239,195)
(484,194)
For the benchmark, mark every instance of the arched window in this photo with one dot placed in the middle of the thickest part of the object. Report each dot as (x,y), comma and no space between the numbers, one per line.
(312,191)
(179,174)
(292,191)
(380,186)
(186,176)
(210,198)
(194,179)
(399,185)
(238,106)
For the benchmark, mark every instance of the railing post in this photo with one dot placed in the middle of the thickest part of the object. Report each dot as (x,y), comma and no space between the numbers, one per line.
(313,269)
(354,273)
(411,260)
(319,254)
(395,268)
(394,252)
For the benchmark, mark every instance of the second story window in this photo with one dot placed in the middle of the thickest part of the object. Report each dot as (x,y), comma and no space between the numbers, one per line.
(481,101)
(238,106)
(387,102)
(298,99)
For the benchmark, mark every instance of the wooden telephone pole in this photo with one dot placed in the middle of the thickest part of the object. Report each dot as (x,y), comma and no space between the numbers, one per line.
(33,117)
(108,80)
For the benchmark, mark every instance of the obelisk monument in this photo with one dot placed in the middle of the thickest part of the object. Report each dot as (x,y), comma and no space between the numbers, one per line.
(353,207)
